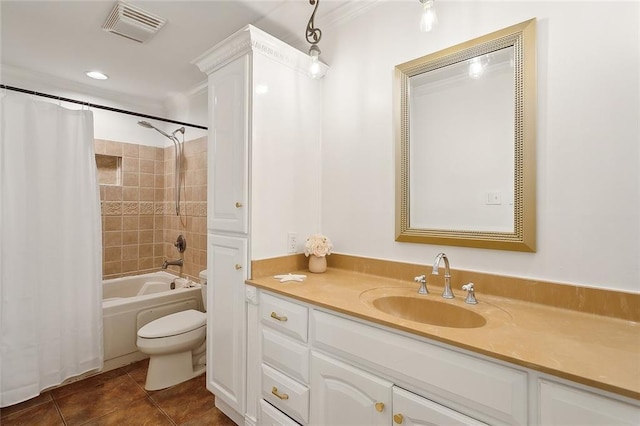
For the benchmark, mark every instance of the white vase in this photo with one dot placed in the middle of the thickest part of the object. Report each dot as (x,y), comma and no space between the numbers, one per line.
(317,264)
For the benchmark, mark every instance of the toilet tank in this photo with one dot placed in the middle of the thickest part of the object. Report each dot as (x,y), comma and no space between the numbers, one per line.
(203,288)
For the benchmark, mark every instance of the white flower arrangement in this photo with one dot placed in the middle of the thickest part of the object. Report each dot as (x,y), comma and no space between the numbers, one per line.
(317,245)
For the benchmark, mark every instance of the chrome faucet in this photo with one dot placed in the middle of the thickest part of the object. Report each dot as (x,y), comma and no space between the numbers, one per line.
(447,293)
(177,262)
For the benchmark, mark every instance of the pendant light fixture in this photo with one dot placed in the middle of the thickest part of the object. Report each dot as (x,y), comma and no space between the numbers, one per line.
(428,18)
(313,36)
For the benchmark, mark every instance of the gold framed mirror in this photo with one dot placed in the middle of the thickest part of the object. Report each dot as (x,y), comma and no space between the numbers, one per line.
(465,129)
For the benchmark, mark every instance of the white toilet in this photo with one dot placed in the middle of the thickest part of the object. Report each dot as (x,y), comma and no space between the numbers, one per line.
(176,345)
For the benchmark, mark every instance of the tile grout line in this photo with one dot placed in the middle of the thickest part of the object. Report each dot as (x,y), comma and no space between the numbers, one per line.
(22,410)
(148,396)
(55,404)
(85,421)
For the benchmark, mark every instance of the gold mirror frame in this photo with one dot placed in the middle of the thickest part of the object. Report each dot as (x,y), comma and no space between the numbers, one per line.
(522,37)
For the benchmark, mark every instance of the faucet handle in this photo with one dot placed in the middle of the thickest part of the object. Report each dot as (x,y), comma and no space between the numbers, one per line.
(471,296)
(422,279)
(181,243)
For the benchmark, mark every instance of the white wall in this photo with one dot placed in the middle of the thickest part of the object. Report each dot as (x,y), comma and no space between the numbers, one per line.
(588,185)
(285,157)
(189,108)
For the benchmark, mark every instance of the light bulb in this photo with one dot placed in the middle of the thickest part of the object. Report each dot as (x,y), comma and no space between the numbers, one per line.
(315,68)
(428,18)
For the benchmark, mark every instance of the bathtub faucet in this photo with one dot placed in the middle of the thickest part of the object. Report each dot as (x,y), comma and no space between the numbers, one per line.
(177,262)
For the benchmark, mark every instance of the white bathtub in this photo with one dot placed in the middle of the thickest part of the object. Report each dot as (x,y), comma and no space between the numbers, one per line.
(131,302)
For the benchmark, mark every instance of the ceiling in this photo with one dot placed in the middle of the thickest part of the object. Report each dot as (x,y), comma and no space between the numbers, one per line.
(64,39)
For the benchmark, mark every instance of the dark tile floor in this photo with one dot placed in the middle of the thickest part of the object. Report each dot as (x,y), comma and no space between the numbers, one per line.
(118,397)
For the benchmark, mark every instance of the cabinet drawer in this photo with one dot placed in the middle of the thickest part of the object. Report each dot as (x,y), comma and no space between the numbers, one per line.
(271,416)
(284,316)
(411,409)
(285,354)
(285,393)
(459,381)
(563,405)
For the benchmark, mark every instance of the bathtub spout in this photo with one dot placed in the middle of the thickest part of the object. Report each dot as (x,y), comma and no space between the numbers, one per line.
(177,262)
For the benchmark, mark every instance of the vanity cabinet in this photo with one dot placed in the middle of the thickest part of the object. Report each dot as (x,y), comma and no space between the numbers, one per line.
(324,369)
(339,370)
(566,405)
(345,395)
(449,377)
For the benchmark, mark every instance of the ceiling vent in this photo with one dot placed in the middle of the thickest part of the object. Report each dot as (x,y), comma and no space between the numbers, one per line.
(131,22)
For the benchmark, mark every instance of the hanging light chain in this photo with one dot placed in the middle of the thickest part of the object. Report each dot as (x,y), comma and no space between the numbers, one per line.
(313,34)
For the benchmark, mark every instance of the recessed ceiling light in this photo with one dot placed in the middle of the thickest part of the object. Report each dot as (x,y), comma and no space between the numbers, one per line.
(96,75)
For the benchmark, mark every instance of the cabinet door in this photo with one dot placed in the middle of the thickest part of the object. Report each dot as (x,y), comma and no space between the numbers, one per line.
(345,395)
(226,313)
(564,405)
(228,148)
(410,409)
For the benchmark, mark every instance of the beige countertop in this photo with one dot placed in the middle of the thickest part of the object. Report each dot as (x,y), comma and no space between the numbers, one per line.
(594,350)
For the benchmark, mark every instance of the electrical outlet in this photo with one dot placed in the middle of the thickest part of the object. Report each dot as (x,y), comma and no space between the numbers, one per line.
(292,242)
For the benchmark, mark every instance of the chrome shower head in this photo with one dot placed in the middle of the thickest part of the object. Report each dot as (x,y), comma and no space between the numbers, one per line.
(151,126)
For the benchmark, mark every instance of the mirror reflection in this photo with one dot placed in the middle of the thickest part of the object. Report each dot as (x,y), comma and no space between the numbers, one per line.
(473,164)
(465,150)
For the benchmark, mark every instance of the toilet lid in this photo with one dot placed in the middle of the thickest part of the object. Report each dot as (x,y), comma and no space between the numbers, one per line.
(174,324)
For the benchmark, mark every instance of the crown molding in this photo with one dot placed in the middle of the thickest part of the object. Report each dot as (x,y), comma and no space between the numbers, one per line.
(349,11)
(339,16)
(252,40)
(198,89)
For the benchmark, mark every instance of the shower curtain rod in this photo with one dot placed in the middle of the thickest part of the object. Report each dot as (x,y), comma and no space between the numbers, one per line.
(90,105)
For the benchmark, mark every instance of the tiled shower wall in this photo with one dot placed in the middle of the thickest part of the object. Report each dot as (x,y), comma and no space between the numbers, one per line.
(139,224)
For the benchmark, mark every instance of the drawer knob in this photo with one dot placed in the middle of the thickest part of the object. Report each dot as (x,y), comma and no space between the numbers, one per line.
(278,394)
(238,266)
(278,317)
(398,418)
(238,204)
(379,407)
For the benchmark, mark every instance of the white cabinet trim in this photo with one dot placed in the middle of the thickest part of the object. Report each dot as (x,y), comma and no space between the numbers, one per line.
(251,39)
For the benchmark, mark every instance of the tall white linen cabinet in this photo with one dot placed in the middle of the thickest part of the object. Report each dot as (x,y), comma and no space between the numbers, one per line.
(263,183)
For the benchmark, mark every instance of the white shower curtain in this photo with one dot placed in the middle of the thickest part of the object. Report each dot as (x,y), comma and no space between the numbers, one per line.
(51,247)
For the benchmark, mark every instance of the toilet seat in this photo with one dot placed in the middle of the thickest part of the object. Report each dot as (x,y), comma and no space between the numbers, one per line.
(173,325)
(172,344)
